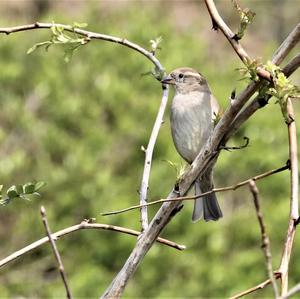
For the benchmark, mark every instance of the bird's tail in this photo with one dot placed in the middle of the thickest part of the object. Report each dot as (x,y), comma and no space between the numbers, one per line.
(206,207)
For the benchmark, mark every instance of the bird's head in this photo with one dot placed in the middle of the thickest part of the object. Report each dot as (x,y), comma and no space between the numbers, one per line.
(186,80)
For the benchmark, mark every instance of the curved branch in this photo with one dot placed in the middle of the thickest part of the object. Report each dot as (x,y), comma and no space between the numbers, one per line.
(83,225)
(89,35)
(149,55)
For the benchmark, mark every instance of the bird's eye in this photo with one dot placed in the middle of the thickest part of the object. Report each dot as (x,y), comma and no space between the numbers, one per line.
(180,75)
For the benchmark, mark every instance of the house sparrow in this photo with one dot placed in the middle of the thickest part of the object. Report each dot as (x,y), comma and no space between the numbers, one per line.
(192,112)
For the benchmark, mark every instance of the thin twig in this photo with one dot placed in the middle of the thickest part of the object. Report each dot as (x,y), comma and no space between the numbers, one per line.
(215,190)
(264,236)
(148,159)
(292,291)
(83,225)
(56,253)
(243,55)
(256,288)
(294,212)
(89,35)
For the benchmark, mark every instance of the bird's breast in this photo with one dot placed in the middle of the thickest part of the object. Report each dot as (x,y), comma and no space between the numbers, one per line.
(191,123)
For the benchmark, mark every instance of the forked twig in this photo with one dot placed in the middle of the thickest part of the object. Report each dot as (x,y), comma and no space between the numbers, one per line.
(56,253)
(264,236)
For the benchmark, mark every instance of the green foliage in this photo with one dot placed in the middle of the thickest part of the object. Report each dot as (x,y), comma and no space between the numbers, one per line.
(71,43)
(21,191)
(246,18)
(282,90)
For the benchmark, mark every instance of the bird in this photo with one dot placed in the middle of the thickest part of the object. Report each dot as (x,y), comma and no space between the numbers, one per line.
(193,111)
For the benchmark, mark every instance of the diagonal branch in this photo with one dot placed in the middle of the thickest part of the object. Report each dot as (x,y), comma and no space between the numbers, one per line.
(256,288)
(292,291)
(264,236)
(56,254)
(83,225)
(238,48)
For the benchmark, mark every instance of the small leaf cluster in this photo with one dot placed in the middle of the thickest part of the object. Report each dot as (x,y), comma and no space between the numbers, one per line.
(155,44)
(21,191)
(249,71)
(70,41)
(282,88)
(246,18)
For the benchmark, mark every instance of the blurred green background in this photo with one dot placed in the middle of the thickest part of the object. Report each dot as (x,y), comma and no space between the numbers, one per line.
(80,126)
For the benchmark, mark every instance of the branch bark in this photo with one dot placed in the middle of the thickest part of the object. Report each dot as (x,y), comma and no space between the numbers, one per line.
(83,225)
(264,237)
(215,190)
(56,254)
(148,159)
(294,210)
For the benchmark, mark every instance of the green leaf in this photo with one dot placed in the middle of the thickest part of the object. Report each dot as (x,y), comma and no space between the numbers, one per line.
(29,188)
(19,189)
(12,192)
(79,25)
(38,185)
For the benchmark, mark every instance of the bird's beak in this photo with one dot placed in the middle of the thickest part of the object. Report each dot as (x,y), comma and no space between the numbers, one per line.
(168,80)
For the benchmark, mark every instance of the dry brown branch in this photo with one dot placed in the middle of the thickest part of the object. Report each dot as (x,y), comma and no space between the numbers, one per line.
(56,253)
(256,288)
(83,225)
(217,19)
(294,211)
(215,190)
(264,236)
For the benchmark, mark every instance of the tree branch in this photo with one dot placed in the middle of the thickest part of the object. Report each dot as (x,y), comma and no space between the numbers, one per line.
(56,254)
(257,287)
(289,43)
(292,291)
(89,35)
(148,159)
(83,225)
(258,102)
(294,212)
(264,236)
(243,55)
(148,54)
(214,190)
